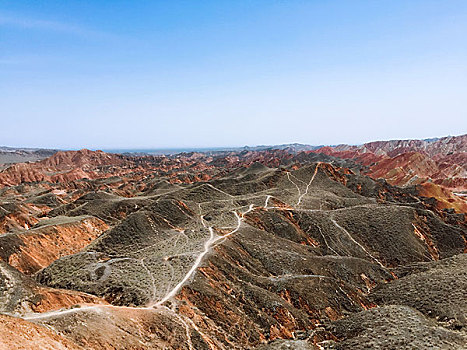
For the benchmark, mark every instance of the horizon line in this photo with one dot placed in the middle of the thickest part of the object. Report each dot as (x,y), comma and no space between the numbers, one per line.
(123,148)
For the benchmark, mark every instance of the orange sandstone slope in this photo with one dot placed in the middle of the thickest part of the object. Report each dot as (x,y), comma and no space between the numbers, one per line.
(445,198)
(20,334)
(31,250)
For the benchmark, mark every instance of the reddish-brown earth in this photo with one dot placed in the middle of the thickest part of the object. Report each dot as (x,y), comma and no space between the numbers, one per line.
(19,334)
(443,161)
(61,167)
(38,247)
(236,250)
(439,167)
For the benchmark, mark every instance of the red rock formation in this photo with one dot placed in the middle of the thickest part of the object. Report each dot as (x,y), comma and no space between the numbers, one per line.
(410,162)
(445,198)
(31,250)
(63,166)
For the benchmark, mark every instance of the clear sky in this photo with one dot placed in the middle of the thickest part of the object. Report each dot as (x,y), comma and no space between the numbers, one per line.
(152,74)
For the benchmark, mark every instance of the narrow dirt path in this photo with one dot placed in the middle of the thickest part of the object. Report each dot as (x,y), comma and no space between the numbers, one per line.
(207,248)
(353,240)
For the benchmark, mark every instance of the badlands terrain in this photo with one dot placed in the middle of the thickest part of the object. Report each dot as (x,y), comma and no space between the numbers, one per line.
(345,247)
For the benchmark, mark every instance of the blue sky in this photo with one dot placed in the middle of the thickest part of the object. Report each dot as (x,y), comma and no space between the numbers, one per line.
(154,74)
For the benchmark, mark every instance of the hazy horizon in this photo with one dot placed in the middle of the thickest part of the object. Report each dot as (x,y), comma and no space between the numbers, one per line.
(183,74)
(167,150)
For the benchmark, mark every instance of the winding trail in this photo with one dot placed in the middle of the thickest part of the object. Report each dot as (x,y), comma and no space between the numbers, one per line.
(184,324)
(60,312)
(298,188)
(353,240)
(289,277)
(215,188)
(300,194)
(326,241)
(308,186)
(207,247)
(266,201)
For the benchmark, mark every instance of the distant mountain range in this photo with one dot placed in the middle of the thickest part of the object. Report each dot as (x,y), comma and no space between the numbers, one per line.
(440,161)
(18,155)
